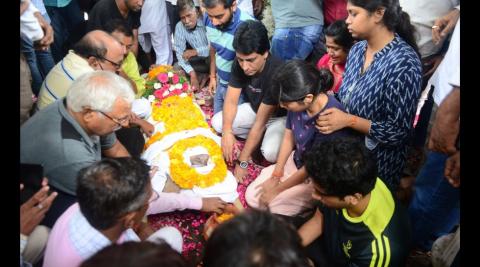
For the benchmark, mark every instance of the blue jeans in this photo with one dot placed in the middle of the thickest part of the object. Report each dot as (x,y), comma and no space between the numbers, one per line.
(295,43)
(65,21)
(219,98)
(40,63)
(435,207)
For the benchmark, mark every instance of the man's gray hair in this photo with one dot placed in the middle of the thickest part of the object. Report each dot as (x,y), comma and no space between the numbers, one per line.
(98,90)
(185,5)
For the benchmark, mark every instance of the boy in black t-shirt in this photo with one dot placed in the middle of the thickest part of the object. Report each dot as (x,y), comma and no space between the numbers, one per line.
(251,76)
(359,223)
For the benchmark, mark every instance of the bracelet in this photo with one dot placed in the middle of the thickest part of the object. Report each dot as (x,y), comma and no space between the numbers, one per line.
(353,120)
(226,132)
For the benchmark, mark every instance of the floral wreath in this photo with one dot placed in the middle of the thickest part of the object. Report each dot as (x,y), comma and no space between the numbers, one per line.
(162,82)
(187,177)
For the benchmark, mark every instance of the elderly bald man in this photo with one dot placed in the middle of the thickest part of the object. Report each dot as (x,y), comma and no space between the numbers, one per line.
(97,50)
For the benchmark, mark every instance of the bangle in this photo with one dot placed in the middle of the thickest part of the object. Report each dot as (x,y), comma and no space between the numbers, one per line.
(353,120)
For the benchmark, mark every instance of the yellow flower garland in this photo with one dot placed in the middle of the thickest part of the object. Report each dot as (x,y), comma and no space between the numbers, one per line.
(184,175)
(178,114)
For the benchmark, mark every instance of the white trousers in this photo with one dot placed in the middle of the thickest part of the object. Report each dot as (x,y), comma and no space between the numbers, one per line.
(37,241)
(161,42)
(242,124)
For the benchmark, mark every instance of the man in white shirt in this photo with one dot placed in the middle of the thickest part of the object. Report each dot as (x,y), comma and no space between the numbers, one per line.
(154,31)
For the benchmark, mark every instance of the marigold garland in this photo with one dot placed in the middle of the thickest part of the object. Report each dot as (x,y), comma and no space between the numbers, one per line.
(187,177)
(157,70)
(178,114)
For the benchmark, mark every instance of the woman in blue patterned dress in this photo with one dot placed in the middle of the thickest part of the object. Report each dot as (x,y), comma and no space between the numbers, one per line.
(381,84)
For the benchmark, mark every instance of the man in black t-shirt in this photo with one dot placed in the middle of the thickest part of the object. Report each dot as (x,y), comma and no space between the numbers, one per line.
(106,10)
(251,74)
(359,221)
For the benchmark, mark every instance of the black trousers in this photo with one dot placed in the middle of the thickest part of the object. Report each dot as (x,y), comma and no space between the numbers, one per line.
(59,205)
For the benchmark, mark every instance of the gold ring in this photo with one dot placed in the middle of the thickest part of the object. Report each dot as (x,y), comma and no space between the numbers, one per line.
(435,26)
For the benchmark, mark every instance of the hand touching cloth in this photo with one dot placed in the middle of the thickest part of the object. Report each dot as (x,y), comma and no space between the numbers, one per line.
(228,140)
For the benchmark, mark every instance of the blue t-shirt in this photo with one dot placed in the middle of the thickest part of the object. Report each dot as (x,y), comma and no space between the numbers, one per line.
(305,133)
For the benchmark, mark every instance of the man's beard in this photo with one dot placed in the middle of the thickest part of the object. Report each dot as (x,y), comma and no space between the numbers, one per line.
(222,26)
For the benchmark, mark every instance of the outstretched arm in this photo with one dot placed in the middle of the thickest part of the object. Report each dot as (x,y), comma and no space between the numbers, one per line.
(229,112)
(312,229)
(254,136)
(447,124)
(116,151)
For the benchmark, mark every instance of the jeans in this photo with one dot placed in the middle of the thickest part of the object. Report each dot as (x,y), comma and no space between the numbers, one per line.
(40,63)
(219,98)
(295,43)
(65,22)
(435,207)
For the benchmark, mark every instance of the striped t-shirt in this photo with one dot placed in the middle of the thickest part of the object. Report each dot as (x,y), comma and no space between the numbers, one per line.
(60,77)
(222,41)
(380,237)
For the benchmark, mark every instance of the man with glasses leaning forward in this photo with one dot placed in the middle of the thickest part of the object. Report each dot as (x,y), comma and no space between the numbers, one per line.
(97,50)
(75,131)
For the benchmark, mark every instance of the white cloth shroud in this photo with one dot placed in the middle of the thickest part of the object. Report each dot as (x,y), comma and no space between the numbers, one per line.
(157,155)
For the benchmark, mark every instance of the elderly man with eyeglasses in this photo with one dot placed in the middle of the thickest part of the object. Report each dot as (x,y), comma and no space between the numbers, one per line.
(97,50)
(76,131)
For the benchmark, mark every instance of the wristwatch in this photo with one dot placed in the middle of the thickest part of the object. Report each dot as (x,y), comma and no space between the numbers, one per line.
(243,164)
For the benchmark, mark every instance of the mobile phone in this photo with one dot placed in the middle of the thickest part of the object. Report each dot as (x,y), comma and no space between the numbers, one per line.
(31,176)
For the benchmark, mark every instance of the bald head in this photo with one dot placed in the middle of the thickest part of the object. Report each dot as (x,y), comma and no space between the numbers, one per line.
(102,47)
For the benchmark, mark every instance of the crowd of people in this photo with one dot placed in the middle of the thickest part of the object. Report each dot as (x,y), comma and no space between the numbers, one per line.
(331,104)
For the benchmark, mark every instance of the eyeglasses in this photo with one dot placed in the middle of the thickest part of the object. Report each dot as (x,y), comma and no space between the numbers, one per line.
(117,121)
(117,65)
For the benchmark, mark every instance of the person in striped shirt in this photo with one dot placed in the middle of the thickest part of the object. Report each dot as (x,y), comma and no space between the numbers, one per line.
(222,20)
(190,31)
(358,221)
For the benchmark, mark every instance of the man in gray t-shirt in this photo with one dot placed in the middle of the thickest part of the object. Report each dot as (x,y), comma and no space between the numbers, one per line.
(73,132)
(294,18)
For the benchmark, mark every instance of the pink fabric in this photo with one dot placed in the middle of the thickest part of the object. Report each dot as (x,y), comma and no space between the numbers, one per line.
(173,201)
(291,201)
(336,70)
(334,10)
(60,251)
